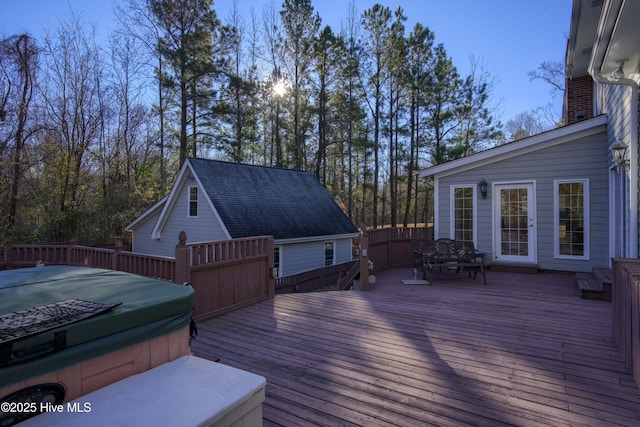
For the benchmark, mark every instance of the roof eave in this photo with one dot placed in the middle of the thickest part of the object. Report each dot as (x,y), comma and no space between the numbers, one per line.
(316,238)
(142,218)
(532,143)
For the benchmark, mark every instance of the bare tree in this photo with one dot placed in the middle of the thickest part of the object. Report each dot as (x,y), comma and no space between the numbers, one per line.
(71,93)
(551,72)
(136,22)
(526,124)
(20,54)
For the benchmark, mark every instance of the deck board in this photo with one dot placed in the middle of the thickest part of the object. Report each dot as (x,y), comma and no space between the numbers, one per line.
(523,350)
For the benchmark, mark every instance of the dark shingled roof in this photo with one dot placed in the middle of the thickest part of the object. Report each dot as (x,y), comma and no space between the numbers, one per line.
(257,200)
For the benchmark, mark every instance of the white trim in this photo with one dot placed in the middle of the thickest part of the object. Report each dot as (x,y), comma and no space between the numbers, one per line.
(316,238)
(618,214)
(280,253)
(436,207)
(631,199)
(602,62)
(612,212)
(142,218)
(333,255)
(587,222)
(527,145)
(156,233)
(189,201)
(474,201)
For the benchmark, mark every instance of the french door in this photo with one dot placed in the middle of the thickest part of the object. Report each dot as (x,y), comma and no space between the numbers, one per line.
(515,225)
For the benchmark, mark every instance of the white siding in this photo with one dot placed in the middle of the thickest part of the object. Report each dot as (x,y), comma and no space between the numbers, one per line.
(583,159)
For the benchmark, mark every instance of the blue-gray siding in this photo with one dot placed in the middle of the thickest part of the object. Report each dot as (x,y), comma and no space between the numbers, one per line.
(203,228)
(298,257)
(585,158)
(616,102)
(141,237)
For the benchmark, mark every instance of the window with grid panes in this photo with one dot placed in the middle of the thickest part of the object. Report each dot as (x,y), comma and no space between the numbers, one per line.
(463,213)
(193,202)
(571,211)
(328,253)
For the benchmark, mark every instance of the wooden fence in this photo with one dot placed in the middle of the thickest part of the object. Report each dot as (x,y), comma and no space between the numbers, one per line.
(225,275)
(391,247)
(625,299)
(20,256)
(228,274)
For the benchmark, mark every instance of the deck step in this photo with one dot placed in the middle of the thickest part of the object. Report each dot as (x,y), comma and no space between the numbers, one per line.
(595,286)
(604,276)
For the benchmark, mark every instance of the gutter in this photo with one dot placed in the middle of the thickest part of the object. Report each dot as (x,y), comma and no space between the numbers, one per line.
(315,238)
(604,34)
(632,211)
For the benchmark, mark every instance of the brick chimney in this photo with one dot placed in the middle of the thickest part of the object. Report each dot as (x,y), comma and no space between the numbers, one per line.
(578,102)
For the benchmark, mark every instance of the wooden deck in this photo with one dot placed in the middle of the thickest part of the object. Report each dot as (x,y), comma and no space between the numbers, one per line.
(524,350)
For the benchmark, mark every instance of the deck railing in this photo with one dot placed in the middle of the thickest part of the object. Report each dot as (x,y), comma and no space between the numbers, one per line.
(346,280)
(19,256)
(391,247)
(625,299)
(226,274)
(315,279)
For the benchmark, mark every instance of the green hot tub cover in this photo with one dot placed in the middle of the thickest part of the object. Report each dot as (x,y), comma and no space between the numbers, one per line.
(143,309)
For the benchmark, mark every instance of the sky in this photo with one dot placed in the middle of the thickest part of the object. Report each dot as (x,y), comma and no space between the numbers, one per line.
(509,37)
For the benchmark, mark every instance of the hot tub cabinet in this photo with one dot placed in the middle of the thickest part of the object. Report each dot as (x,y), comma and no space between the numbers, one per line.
(186,392)
(145,324)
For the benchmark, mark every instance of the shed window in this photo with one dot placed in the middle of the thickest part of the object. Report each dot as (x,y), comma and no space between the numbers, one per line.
(328,253)
(276,257)
(462,227)
(572,219)
(193,202)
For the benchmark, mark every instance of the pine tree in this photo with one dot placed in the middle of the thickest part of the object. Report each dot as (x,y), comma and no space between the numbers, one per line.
(301,25)
(190,29)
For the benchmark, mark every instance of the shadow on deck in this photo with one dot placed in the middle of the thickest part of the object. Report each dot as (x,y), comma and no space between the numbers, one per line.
(523,350)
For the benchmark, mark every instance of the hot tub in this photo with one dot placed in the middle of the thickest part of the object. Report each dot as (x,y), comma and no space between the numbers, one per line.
(132,324)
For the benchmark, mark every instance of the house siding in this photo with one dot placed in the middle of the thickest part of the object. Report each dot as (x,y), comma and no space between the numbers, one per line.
(580,159)
(203,228)
(236,201)
(343,250)
(140,236)
(616,101)
(305,256)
